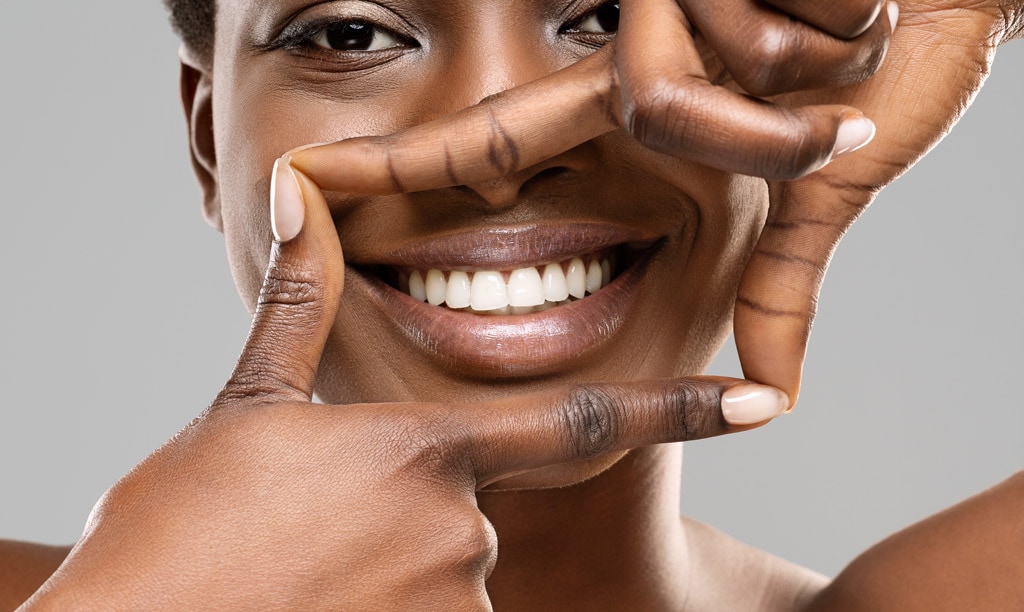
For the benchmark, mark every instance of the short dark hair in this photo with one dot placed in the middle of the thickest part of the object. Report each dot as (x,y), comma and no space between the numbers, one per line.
(193,21)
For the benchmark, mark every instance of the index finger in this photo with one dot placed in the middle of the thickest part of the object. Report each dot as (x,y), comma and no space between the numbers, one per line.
(529,124)
(501,135)
(510,436)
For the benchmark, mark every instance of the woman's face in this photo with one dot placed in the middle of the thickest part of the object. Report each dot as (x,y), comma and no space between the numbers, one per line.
(292,72)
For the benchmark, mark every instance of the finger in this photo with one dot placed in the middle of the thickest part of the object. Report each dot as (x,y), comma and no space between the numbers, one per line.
(669,106)
(497,137)
(848,19)
(778,293)
(508,437)
(777,54)
(529,124)
(299,298)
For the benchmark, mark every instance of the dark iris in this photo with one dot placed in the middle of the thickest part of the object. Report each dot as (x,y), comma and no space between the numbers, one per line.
(352,36)
(608,16)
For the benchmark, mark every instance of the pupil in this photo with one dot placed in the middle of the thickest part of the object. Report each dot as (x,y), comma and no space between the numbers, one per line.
(351,37)
(608,17)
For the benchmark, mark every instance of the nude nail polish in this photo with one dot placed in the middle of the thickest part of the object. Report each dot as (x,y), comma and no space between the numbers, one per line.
(747,404)
(287,210)
(854,133)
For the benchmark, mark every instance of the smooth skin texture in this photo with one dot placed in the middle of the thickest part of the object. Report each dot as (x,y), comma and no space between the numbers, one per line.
(263,455)
(641,482)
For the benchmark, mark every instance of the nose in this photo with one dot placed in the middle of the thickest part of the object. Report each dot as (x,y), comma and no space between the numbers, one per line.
(488,60)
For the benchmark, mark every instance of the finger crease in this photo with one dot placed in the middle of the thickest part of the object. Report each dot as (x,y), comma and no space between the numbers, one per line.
(786,257)
(496,152)
(449,167)
(764,310)
(392,174)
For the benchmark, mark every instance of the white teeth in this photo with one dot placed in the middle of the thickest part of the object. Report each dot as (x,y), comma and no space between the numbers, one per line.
(525,288)
(457,294)
(593,277)
(488,291)
(555,287)
(576,277)
(417,288)
(437,287)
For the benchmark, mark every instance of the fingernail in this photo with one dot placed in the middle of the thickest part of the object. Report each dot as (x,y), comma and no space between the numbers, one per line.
(746,404)
(853,134)
(894,14)
(287,210)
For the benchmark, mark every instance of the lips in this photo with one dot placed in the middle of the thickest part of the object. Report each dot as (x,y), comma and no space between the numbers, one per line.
(512,277)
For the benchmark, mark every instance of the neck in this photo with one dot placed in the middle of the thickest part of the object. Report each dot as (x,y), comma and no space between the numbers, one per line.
(613,542)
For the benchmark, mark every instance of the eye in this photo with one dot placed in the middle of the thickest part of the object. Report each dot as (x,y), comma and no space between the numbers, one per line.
(355,36)
(603,20)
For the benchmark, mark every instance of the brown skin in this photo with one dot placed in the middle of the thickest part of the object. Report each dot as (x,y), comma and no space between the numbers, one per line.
(613,541)
(24,567)
(269,500)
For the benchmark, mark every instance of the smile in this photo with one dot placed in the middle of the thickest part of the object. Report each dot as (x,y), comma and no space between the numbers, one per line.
(511,292)
(476,300)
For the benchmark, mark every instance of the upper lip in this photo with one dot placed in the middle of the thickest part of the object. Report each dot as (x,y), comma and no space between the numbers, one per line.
(511,247)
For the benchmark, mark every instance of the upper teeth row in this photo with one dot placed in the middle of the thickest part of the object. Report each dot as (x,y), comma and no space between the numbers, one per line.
(534,288)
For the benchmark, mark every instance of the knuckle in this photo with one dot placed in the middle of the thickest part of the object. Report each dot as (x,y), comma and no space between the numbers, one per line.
(503,152)
(592,421)
(696,410)
(473,544)
(857,17)
(263,377)
(422,443)
(658,113)
(290,284)
(766,69)
(871,57)
(797,151)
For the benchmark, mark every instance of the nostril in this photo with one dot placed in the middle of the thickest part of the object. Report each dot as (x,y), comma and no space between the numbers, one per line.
(547,177)
(507,192)
(555,172)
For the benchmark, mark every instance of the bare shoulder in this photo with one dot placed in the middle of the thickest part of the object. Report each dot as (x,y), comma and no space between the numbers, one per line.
(730,575)
(24,567)
(969,557)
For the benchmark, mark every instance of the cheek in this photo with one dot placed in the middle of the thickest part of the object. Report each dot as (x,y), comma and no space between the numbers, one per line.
(730,215)
(253,129)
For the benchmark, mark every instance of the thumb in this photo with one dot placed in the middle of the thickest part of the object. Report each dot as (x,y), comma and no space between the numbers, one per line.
(778,293)
(299,298)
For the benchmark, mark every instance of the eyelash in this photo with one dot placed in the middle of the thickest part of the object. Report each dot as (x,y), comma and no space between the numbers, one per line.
(302,36)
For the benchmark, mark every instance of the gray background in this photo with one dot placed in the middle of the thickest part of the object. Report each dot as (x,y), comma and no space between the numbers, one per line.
(119,322)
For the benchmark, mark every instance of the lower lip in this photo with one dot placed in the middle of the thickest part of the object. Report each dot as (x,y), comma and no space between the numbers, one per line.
(512,346)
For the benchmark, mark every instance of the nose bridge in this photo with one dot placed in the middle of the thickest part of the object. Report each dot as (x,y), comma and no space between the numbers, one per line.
(499,54)
(500,50)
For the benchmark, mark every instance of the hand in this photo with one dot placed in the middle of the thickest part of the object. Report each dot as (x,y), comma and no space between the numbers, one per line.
(938,60)
(671,104)
(659,90)
(929,80)
(271,501)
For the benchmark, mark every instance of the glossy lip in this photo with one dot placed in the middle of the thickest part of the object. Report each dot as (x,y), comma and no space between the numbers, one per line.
(514,345)
(510,248)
